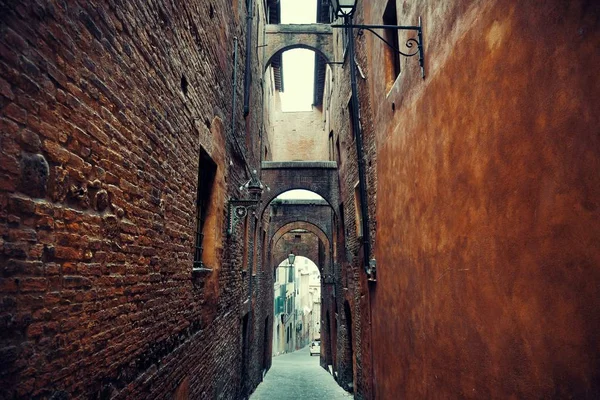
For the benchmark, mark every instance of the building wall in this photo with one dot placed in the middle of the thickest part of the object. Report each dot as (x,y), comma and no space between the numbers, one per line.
(348,340)
(104,110)
(486,204)
(298,136)
(257,302)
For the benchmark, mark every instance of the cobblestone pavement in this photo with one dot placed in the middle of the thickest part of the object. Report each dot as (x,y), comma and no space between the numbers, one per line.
(298,375)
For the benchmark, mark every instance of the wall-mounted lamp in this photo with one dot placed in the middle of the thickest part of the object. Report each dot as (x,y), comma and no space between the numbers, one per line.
(238,208)
(344,8)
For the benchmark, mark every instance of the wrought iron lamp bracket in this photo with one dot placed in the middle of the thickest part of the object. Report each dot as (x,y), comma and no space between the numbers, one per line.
(237,211)
(328,279)
(410,43)
(372,271)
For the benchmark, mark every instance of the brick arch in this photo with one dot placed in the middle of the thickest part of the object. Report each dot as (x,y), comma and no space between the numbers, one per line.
(283,37)
(310,227)
(319,177)
(317,224)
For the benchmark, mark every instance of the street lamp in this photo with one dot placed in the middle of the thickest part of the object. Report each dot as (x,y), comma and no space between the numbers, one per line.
(238,208)
(291,259)
(254,186)
(346,10)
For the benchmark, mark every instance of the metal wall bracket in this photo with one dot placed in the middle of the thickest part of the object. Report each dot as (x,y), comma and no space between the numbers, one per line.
(410,43)
(237,211)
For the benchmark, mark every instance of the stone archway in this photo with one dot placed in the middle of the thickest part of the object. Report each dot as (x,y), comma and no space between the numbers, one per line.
(283,37)
(303,225)
(319,177)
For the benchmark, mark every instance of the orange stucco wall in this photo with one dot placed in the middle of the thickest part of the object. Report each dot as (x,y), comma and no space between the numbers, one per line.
(488,204)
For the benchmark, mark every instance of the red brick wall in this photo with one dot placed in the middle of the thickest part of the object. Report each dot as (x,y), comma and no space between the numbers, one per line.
(99,150)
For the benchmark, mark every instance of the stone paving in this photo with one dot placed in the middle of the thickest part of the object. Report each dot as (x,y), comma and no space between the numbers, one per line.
(298,375)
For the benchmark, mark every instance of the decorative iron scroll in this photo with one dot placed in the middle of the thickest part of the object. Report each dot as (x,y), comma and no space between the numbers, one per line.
(237,211)
(410,43)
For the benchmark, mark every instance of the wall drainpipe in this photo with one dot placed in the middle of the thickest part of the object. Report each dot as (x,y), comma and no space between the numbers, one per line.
(234,102)
(248,72)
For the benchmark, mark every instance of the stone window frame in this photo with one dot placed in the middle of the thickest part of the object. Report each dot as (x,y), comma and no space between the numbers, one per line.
(207,171)
(358,211)
(391,62)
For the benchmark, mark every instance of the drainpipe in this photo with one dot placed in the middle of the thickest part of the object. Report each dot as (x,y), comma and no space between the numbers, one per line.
(233,104)
(262,106)
(248,72)
(362,182)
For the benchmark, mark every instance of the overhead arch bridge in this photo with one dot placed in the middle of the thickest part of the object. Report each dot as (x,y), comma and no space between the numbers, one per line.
(282,37)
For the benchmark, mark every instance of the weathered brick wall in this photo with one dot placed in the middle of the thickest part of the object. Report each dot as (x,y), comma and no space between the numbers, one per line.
(306,245)
(259,278)
(104,107)
(348,274)
(315,212)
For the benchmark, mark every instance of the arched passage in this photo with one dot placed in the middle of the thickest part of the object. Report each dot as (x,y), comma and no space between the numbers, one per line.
(280,252)
(297,303)
(301,206)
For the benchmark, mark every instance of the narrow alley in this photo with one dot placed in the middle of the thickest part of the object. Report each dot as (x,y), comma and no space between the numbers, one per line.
(296,376)
(192,192)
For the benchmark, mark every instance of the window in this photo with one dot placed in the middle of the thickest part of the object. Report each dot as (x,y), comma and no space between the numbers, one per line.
(358,210)
(256,248)
(341,226)
(392,58)
(246,242)
(351,116)
(338,153)
(206,176)
(264,250)
(342,223)
(331,147)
